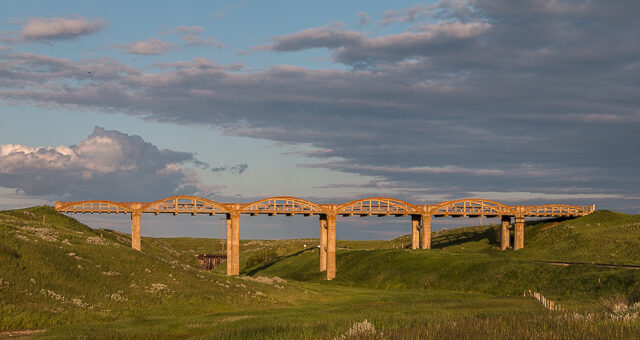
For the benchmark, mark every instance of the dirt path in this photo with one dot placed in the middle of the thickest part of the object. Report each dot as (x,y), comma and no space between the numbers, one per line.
(560,263)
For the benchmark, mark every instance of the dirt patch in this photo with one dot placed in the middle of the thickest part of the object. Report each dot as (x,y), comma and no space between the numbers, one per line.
(22,333)
(549,226)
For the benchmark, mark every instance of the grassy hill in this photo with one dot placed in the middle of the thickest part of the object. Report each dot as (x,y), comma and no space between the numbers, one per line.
(73,280)
(469,259)
(52,270)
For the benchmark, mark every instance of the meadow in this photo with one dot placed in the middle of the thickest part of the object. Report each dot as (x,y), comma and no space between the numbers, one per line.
(62,279)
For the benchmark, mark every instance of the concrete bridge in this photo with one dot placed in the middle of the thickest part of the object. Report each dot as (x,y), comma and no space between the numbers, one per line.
(421,216)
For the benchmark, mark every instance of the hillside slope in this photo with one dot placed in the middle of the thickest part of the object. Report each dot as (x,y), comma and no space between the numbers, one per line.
(50,271)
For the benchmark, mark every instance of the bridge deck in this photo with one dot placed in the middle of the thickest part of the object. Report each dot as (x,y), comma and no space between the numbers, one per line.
(378,206)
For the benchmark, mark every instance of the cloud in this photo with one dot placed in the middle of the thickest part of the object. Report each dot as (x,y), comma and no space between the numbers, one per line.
(460,10)
(151,46)
(49,29)
(106,165)
(235,169)
(544,96)
(191,35)
(345,166)
(332,36)
(351,47)
(364,19)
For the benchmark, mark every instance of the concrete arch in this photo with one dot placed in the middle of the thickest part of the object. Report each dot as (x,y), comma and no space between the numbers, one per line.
(377,206)
(472,209)
(65,206)
(282,205)
(196,205)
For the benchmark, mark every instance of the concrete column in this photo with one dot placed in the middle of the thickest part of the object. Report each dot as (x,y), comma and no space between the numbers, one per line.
(136,218)
(331,246)
(415,231)
(235,243)
(518,240)
(426,231)
(229,247)
(323,243)
(504,232)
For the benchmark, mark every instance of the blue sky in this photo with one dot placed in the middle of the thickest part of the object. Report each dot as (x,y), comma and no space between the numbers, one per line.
(524,102)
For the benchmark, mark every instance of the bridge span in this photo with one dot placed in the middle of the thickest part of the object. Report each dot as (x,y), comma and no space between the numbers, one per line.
(420,215)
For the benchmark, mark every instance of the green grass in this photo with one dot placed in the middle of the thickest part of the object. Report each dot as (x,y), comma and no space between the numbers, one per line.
(464,287)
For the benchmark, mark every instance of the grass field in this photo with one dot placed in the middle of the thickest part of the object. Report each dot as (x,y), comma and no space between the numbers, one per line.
(76,282)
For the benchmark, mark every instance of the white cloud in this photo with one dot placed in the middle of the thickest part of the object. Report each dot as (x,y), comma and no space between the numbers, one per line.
(42,29)
(151,46)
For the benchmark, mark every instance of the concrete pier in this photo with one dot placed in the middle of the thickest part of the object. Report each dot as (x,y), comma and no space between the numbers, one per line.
(229,246)
(504,232)
(323,243)
(426,231)
(331,246)
(415,231)
(235,243)
(518,239)
(136,218)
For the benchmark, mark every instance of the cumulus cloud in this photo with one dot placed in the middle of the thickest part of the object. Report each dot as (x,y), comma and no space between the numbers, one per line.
(49,29)
(151,46)
(543,97)
(106,165)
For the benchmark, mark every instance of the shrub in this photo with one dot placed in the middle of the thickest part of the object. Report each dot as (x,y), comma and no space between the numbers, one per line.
(634,293)
(261,258)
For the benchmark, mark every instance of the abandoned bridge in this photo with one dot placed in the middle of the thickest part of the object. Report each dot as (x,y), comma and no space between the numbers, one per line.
(420,215)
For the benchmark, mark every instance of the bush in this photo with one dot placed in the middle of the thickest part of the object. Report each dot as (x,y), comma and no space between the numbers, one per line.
(634,293)
(261,258)
(8,252)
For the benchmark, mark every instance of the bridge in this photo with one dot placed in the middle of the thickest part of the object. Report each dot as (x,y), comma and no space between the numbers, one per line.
(420,215)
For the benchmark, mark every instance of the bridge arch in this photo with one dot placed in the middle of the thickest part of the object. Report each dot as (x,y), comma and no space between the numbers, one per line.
(282,205)
(93,206)
(471,207)
(184,204)
(377,206)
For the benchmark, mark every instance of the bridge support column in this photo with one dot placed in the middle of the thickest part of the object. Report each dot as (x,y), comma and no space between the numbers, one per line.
(229,247)
(426,232)
(323,243)
(504,233)
(518,239)
(331,246)
(233,244)
(136,218)
(415,231)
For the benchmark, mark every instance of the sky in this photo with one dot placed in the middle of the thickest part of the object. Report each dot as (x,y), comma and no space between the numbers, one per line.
(522,102)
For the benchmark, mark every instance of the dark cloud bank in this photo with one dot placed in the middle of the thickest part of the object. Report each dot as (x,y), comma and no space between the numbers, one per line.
(498,96)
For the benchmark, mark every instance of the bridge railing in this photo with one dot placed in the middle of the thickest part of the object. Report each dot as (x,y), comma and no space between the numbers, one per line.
(381,206)
(184,205)
(93,207)
(282,205)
